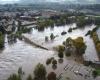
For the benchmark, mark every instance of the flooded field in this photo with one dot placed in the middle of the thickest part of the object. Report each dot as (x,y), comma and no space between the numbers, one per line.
(21,54)
(39,37)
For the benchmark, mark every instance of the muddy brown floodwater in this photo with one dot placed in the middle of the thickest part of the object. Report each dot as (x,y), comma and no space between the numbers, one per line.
(21,54)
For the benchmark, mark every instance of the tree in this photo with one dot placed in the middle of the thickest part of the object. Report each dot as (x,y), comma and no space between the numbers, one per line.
(14,77)
(60,54)
(70,30)
(40,72)
(48,61)
(54,62)
(20,72)
(94,73)
(61,48)
(81,21)
(19,25)
(29,77)
(68,53)
(98,47)
(79,45)
(2,29)
(46,38)
(52,36)
(51,76)
(17,76)
(69,42)
(1,40)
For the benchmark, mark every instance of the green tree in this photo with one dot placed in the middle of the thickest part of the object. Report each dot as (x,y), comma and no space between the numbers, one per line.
(1,40)
(54,62)
(29,77)
(46,38)
(20,72)
(14,77)
(95,73)
(19,25)
(40,72)
(52,36)
(60,54)
(80,45)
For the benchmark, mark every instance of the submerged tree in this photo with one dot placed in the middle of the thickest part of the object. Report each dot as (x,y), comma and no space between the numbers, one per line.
(95,73)
(79,45)
(40,72)
(52,36)
(51,76)
(29,77)
(17,76)
(14,77)
(1,40)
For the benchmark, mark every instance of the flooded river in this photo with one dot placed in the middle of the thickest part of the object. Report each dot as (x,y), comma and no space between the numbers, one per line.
(39,37)
(21,54)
